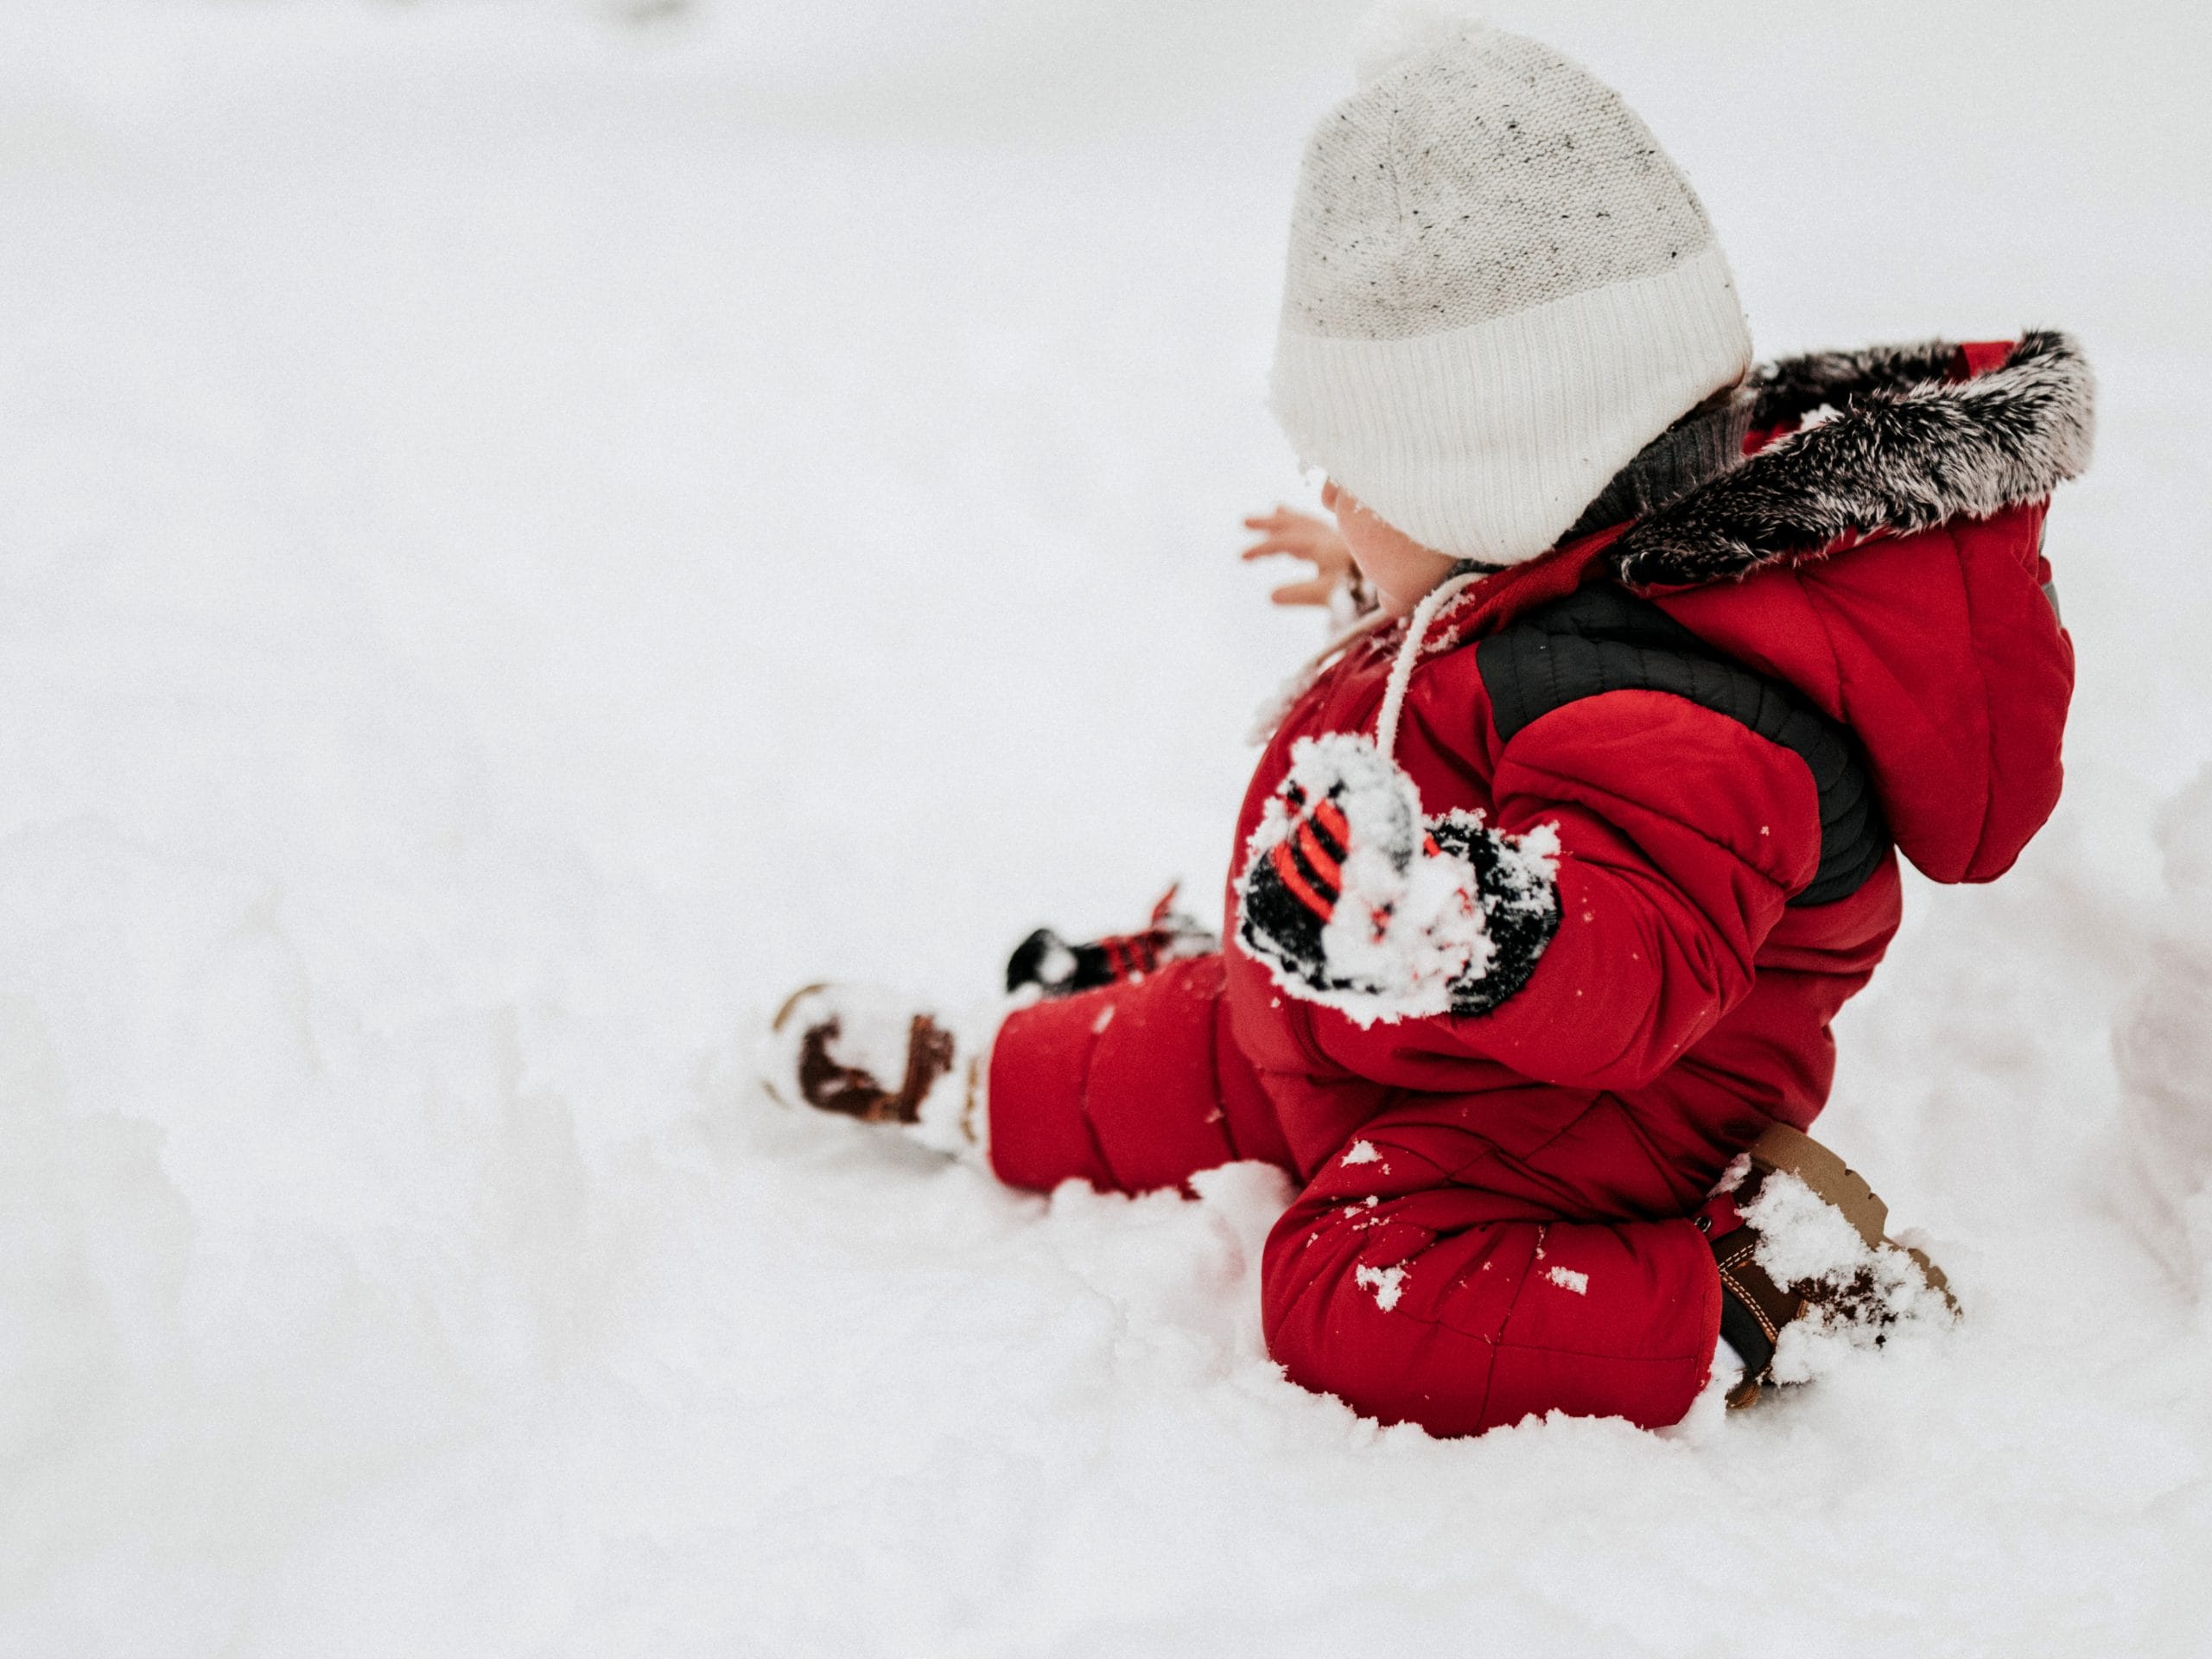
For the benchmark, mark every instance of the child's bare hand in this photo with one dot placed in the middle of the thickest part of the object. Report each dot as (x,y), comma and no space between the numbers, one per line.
(1302,535)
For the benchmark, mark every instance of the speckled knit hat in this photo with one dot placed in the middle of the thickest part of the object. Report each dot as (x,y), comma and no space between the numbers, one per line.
(1499,291)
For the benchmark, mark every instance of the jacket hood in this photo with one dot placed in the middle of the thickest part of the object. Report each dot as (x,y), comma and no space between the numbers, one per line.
(1886,561)
(1916,438)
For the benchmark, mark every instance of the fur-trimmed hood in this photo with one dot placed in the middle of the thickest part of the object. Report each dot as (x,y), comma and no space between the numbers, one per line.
(1935,641)
(1912,441)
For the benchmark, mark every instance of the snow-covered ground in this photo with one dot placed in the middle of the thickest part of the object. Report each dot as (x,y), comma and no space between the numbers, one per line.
(526,530)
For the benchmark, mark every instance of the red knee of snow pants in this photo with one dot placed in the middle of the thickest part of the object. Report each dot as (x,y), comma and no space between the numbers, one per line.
(1460,1261)
(1131,1088)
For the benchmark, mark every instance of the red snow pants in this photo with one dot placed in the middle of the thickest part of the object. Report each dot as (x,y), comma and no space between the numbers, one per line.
(1455,1261)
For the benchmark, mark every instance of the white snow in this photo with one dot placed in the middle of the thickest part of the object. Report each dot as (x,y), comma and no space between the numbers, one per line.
(874,1029)
(1387,1284)
(523,538)
(1801,1237)
(1568,1279)
(1361,1152)
(1406,925)
(1058,965)
(1805,1241)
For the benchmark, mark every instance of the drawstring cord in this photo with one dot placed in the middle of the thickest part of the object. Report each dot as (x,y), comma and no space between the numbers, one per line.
(1401,667)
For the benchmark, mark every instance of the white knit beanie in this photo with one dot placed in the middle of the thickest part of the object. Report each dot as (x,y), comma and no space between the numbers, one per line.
(1499,291)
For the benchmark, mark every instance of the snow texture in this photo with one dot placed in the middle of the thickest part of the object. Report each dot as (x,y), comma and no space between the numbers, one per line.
(1880,1293)
(874,1032)
(1516,878)
(1803,1237)
(1387,1284)
(873,1028)
(526,537)
(2163,1046)
(1405,925)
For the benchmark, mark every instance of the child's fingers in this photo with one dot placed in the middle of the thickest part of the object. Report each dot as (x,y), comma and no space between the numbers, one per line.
(1286,519)
(1301,541)
(1286,532)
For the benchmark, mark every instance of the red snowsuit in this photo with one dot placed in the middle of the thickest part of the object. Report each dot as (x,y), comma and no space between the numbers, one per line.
(1493,1215)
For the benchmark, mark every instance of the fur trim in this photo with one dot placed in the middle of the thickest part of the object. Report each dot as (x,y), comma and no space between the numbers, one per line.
(1908,447)
(1791,388)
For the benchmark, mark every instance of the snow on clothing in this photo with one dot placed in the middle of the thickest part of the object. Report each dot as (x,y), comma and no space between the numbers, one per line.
(1493,1214)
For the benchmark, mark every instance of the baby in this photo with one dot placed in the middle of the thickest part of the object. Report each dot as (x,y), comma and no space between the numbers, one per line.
(1559,865)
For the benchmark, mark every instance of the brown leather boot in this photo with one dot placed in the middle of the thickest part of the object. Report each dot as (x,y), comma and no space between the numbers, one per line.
(860,1054)
(1799,1238)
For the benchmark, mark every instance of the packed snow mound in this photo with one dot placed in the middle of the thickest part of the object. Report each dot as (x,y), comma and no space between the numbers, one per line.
(2163,1047)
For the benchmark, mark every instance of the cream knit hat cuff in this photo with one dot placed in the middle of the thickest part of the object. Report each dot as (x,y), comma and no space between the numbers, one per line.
(1487,441)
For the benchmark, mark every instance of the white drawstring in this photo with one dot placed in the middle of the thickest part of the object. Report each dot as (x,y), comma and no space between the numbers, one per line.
(1401,667)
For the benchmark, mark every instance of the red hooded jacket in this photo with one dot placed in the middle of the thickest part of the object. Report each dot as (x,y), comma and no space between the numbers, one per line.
(1734,712)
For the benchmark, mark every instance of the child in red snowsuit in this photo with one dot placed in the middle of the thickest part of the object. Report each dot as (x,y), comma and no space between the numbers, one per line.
(1554,875)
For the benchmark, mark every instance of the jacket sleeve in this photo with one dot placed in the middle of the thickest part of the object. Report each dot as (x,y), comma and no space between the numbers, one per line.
(1681,834)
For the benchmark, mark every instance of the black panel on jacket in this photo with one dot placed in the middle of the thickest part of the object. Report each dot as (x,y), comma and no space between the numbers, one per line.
(1602,639)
